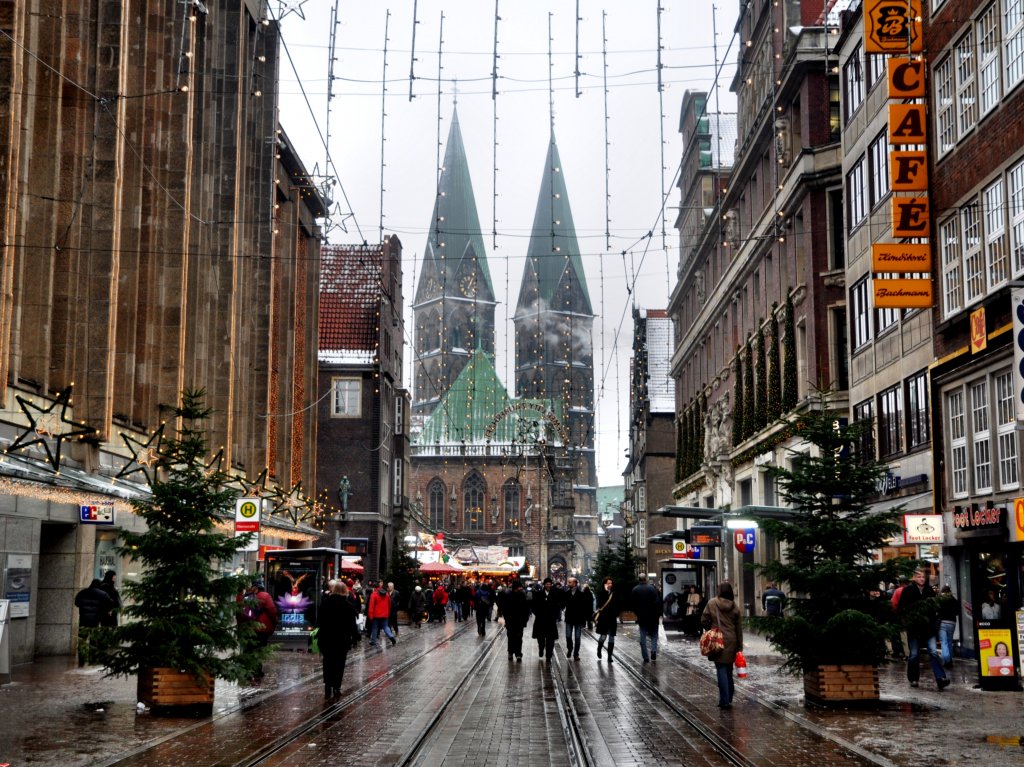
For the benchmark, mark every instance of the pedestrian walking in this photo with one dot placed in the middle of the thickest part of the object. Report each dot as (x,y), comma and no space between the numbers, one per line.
(723,613)
(260,612)
(417,605)
(481,607)
(606,619)
(515,611)
(336,633)
(546,605)
(396,597)
(93,605)
(110,589)
(440,603)
(949,611)
(646,603)
(579,608)
(378,613)
(918,611)
(773,601)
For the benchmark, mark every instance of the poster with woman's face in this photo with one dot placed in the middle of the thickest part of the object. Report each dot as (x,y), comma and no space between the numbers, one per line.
(995,652)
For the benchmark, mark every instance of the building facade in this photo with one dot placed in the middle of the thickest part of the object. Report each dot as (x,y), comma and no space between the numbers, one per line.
(146,251)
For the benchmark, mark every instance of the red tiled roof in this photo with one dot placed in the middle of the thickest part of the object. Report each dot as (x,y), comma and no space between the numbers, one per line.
(349,297)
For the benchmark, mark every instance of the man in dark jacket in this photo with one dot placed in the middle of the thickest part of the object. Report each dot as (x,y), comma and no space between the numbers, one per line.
(646,603)
(515,611)
(546,605)
(94,607)
(110,589)
(917,609)
(336,632)
(579,607)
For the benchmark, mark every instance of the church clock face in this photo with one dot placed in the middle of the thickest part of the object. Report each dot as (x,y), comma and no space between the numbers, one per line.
(433,286)
(467,286)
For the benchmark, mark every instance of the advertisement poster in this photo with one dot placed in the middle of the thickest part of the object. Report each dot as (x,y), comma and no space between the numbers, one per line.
(18,584)
(995,648)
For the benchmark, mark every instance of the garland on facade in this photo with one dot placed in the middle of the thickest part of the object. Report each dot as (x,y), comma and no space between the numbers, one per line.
(761,405)
(679,447)
(789,393)
(688,488)
(749,415)
(768,443)
(737,414)
(702,411)
(774,373)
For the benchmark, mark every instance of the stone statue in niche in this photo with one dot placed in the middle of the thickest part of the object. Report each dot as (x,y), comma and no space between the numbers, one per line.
(344,491)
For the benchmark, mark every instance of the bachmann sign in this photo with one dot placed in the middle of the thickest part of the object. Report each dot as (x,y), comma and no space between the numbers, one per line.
(903,270)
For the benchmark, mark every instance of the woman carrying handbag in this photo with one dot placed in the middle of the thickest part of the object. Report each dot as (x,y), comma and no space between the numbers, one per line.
(723,614)
(606,618)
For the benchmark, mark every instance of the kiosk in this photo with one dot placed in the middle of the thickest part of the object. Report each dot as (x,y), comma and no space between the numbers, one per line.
(296,580)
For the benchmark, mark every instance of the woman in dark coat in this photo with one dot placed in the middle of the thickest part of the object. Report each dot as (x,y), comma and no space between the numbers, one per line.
(607,620)
(546,605)
(723,613)
(337,631)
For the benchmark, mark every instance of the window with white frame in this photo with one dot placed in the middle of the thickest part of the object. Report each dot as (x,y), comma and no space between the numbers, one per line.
(397,490)
(641,497)
(890,421)
(995,235)
(980,437)
(875,68)
(952,266)
(878,160)
(966,85)
(974,259)
(886,318)
(945,115)
(1006,431)
(1015,182)
(400,414)
(856,206)
(917,410)
(860,314)
(988,59)
(957,443)
(346,399)
(1013,41)
(853,82)
(641,532)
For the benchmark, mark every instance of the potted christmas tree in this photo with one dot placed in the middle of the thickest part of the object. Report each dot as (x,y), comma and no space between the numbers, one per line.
(833,632)
(179,629)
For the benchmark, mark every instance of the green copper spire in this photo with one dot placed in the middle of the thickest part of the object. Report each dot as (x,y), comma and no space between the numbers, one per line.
(469,406)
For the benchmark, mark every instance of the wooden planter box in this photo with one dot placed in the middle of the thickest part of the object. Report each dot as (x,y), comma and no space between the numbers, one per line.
(403,618)
(841,685)
(627,617)
(169,692)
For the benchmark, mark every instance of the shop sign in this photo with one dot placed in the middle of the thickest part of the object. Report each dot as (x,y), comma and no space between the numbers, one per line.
(1017,306)
(974,518)
(1017,523)
(902,294)
(744,541)
(923,528)
(994,654)
(893,26)
(97,513)
(979,335)
(899,257)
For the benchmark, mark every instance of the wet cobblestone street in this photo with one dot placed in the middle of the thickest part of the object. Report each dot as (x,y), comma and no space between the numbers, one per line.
(490,711)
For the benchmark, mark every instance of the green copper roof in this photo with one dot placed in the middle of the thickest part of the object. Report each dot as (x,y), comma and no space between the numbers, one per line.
(469,406)
(553,247)
(455,222)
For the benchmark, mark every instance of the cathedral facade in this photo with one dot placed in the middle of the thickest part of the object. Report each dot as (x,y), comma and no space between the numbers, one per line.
(490,468)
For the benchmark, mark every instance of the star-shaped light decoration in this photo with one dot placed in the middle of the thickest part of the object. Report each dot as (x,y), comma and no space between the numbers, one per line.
(284,7)
(291,504)
(255,489)
(215,465)
(45,424)
(145,455)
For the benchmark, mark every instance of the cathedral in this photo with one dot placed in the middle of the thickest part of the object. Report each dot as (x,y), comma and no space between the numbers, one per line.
(490,467)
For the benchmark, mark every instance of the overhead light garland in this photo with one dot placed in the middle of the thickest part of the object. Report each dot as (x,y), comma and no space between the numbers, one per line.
(45,424)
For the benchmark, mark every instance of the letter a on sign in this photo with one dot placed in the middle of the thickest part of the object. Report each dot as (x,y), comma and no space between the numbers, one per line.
(892,26)
(907,124)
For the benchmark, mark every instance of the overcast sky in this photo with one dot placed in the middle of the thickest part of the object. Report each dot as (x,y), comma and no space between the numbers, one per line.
(624,268)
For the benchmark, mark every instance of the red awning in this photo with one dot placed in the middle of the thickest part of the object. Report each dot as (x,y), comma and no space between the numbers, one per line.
(351,567)
(438,568)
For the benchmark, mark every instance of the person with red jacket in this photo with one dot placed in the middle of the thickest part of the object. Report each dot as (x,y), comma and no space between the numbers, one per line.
(378,613)
(258,608)
(440,602)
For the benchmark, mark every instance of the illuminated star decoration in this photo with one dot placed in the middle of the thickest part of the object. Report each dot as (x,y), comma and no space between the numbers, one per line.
(284,7)
(145,455)
(255,489)
(215,465)
(45,425)
(291,504)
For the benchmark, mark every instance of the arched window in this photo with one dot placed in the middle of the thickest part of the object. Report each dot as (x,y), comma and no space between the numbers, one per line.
(435,495)
(513,507)
(473,493)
